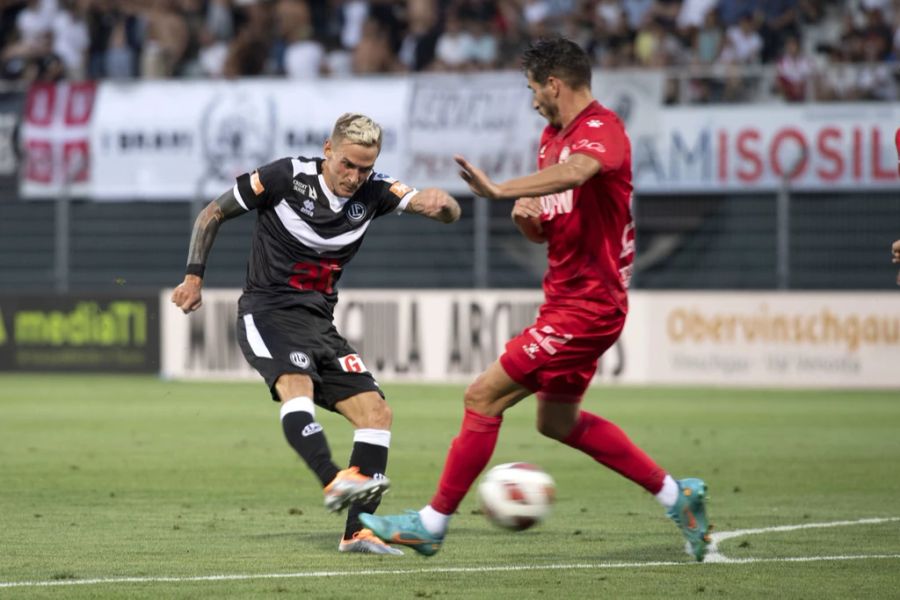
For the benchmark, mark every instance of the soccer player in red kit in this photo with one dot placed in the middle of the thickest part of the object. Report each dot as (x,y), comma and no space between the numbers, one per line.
(579,204)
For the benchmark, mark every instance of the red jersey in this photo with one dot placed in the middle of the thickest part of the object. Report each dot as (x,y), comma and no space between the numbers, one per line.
(589,229)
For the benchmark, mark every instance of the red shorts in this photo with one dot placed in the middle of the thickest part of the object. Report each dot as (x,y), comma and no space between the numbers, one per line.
(558,355)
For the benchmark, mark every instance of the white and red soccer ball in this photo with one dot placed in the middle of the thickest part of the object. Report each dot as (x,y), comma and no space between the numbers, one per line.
(516,496)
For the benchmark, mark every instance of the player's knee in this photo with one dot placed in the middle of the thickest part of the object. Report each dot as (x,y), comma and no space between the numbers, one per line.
(379,415)
(555,428)
(476,398)
(552,430)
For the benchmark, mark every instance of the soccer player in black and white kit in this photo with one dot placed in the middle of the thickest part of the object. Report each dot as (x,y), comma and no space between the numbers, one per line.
(312,215)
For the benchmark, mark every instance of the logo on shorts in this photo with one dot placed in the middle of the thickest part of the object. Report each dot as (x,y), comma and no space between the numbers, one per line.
(356,211)
(311,429)
(352,363)
(300,359)
(531,350)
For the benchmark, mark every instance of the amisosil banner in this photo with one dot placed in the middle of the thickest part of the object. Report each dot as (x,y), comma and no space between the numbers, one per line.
(757,147)
(79,333)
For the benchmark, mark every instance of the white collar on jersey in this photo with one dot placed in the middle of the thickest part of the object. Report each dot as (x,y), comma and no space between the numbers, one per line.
(334,201)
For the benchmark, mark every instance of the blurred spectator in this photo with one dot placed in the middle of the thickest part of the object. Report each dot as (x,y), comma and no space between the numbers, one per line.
(731,11)
(744,43)
(250,52)
(637,12)
(794,71)
(70,37)
(219,19)
(839,79)
(877,36)
(211,54)
(692,15)
(417,49)
(713,40)
(247,55)
(303,55)
(35,20)
(708,40)
(373,53)
(353,15)
(484,54)
(875,80)
(777,20)
(655,45)
(454,46)
(165,42)
(707,43)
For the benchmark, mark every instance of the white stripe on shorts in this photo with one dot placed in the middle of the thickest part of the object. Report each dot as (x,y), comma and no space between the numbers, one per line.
(376,437)
(256,342)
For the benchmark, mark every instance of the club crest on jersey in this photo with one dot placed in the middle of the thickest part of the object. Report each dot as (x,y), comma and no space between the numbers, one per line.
(352,363)
(309,207)
(305,189)
(356,211)
(564,153)
(300,359)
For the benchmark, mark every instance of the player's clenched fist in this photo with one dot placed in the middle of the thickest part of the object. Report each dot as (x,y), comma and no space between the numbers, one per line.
(527,208)
(187,295)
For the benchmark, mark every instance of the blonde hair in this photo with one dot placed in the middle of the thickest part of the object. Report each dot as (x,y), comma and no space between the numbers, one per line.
(356,129)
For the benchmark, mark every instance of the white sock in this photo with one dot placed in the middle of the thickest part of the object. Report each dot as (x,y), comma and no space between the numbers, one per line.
(668,495)
(434,522)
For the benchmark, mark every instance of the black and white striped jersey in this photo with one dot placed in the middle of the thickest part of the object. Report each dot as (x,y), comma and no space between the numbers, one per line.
(305,234)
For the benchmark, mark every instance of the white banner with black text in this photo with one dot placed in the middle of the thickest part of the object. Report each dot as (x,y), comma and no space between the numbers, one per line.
(818,340)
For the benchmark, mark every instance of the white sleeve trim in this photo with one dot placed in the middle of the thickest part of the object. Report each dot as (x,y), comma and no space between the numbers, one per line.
(404,202)
(237,196)
(298,404)
(376,437)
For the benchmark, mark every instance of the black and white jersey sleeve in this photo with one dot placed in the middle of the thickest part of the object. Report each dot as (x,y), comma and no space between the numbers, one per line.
(394,194)
(262,186)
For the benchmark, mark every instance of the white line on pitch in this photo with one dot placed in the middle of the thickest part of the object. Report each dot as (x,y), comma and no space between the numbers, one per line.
(496,569)
(715,556)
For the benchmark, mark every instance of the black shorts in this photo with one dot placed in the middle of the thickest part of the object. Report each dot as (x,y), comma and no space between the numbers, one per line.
(294,340)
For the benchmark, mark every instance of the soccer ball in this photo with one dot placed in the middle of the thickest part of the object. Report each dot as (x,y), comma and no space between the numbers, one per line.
(516,496)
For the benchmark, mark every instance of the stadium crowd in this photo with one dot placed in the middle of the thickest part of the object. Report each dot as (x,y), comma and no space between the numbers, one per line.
(832,49)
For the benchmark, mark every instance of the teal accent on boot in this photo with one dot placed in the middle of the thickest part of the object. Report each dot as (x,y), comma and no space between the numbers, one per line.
(404,530)
(689,513)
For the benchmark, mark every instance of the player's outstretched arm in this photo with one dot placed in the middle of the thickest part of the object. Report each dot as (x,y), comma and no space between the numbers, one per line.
(526,214)
(435,204)
(569,174)
(187,295)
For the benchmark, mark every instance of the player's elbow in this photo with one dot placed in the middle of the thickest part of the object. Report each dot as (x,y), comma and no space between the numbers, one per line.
(575,175)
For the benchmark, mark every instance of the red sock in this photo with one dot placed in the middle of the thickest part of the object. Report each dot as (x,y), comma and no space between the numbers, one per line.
(469,454)
(606,443)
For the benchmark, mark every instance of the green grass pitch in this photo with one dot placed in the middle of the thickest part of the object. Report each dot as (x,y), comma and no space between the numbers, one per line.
(132,487)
